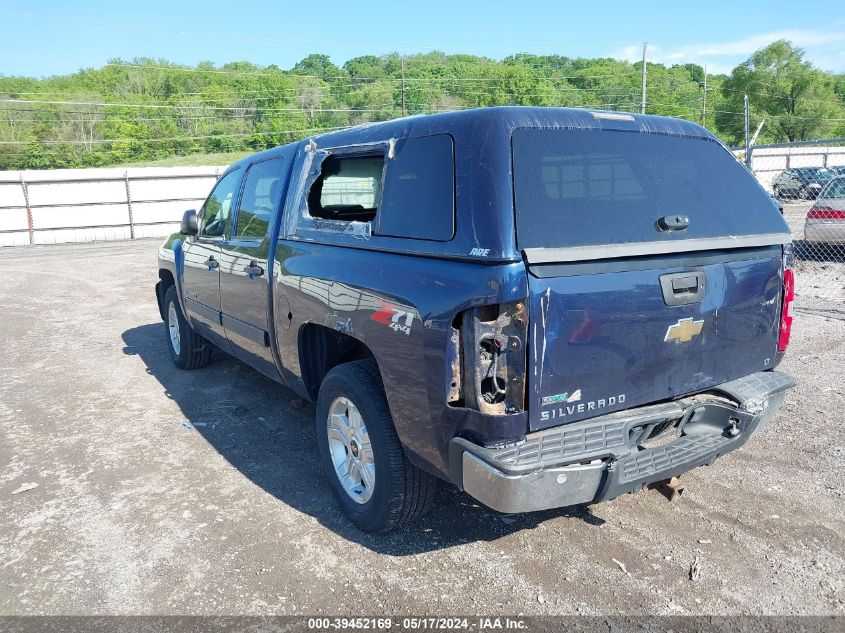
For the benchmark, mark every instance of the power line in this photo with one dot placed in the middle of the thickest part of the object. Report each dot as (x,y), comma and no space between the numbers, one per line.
(104,116)
(186,107)
(174,138)
(294,74)
(211,98)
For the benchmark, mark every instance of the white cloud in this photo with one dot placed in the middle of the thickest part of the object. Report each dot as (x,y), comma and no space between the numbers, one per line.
(823,48)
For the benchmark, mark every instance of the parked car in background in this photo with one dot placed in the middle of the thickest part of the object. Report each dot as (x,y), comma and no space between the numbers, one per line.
(803,183)
(825,223)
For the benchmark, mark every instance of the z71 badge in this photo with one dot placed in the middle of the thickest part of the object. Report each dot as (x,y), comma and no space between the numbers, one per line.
(394,318)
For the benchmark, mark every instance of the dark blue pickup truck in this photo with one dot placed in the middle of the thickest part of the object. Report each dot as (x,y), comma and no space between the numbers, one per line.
(543,306)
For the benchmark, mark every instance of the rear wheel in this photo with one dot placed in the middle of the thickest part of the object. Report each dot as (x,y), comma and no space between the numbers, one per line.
(377,488)
(188,350)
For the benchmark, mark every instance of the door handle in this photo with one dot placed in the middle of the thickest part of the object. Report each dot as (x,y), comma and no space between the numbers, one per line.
(685,284)
(673,222)
(212,263)
(253,270)
(680,289)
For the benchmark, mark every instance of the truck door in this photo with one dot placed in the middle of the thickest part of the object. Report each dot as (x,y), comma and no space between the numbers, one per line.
(245,283)
(201,275)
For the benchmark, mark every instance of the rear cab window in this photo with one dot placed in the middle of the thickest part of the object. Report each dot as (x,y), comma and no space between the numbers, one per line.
(401,190)
(575,187)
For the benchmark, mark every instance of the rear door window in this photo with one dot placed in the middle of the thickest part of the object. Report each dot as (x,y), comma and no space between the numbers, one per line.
(595,187)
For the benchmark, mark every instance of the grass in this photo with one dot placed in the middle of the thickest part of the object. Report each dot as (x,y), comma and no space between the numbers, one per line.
(194,160)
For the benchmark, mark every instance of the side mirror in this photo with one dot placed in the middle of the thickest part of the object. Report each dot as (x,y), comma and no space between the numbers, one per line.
(189,223)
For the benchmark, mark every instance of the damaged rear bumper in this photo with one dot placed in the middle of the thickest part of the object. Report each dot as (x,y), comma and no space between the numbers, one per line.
(623,452)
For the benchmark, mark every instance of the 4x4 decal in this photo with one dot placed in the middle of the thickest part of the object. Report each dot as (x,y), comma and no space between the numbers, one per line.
(394,318)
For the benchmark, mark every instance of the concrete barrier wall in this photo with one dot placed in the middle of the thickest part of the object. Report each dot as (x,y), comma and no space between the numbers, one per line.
(86,205)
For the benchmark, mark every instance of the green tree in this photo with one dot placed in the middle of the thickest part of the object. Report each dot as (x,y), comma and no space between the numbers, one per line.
(142,108)
(318,65)
(796,99)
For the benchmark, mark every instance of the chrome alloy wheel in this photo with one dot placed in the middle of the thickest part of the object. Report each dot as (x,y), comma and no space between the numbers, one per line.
(173,328)
(350,449)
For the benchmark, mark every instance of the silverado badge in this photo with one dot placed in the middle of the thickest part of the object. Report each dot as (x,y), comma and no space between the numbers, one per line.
(684,330)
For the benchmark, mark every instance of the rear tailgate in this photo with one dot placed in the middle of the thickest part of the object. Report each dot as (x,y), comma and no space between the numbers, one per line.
(602,337)
(655,269)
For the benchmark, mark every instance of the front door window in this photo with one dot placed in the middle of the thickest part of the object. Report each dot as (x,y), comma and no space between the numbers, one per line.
(215,211)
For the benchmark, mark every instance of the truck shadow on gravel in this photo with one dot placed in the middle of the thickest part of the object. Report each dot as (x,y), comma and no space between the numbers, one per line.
(266,432)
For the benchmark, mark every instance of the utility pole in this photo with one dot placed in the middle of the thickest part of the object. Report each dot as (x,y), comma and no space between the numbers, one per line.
(746,108)
(704,104)
(645,48)
(404,109)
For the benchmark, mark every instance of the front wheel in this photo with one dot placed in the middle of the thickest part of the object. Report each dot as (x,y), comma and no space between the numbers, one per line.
(804,193)
(188,350)
(377,488)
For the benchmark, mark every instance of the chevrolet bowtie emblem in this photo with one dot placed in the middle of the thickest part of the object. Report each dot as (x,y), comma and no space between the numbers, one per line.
(684,330)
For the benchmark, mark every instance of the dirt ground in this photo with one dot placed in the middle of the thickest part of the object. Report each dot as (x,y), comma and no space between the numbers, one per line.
(161,491)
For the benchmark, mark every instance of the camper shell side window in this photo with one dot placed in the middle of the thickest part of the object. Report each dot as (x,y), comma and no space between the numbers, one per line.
(396,189)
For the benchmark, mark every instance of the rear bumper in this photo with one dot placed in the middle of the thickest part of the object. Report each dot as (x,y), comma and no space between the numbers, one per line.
(605,457)
(824,231)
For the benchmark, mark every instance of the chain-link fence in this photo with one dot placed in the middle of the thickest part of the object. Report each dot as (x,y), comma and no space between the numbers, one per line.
(808,181)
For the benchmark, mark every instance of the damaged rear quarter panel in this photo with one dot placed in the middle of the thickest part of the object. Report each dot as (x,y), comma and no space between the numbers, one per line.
(348,290)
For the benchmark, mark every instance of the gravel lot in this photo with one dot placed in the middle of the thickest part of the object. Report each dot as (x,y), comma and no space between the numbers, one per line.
(160,491)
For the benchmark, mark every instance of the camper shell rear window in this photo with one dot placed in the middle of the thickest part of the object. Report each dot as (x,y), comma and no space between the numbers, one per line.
(576,187)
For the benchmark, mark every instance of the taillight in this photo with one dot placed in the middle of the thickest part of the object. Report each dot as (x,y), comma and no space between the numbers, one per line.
(826,213)
(786,310)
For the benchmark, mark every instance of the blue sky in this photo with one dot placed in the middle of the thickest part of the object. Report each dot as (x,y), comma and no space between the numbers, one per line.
(49,37)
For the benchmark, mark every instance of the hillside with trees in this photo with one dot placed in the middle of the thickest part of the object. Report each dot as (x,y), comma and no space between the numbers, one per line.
(146,109)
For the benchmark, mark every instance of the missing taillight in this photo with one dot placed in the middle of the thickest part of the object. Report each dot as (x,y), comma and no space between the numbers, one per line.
(786,310)
(487,358)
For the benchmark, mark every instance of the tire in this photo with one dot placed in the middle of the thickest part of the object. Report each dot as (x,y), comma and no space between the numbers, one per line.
(400,492)
(776,192)
(804,193)
(188,350)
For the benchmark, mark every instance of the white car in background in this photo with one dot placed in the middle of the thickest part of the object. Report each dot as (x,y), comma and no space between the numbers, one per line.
(825,223)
